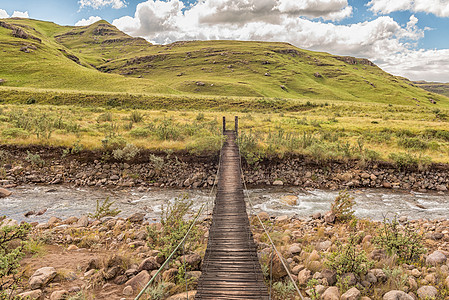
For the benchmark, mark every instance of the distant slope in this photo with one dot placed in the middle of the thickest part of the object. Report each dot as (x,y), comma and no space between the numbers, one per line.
(434,87)
(99,57)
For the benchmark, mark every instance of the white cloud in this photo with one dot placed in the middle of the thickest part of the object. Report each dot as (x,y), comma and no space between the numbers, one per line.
(382,40)
(97,4)
(437,7)
(20,14)
(85,22)
(430,65)
(3,14)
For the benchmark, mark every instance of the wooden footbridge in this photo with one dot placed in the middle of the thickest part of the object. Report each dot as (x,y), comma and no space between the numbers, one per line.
(231,268)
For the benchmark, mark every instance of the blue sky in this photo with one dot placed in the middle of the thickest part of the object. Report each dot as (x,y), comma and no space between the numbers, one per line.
(404,37)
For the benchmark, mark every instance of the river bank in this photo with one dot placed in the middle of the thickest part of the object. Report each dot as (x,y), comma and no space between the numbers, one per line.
(47,165)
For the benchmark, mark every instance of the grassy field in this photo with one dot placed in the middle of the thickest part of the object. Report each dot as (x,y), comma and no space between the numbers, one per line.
(434,87)
(326,130)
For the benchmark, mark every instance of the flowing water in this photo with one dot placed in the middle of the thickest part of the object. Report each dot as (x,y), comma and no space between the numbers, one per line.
(66,201)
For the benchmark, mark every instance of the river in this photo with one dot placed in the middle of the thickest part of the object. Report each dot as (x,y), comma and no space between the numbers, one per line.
(65,201)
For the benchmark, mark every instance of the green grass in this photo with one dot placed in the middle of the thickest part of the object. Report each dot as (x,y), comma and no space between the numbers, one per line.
(111,61)
(333,130)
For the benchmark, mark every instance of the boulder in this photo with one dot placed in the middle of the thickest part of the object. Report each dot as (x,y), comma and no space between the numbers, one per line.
(128,290)
(41,277)
(278,270)
(136,218)
(436,258)
(380,275)
(329,217)
(139,281)
(149,264)
(4,193)
(278,182)
(331,293)
(304,276)
(294,249)
(427,292)
(330,276)
(59,295)
(32,295)
(82,222)
(193,260)
(397,295)
(351,294)
(190,295)
(170,274)
(446,282)
(289,199)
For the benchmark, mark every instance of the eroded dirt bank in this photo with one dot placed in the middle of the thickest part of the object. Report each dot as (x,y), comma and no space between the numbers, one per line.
(36,164)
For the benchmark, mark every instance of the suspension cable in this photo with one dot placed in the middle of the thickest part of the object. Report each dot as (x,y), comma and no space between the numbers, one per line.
(184,238)
(279,255)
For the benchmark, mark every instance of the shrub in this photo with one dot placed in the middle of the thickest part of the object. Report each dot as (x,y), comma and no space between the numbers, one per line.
(174,228)
(284,290)
(348,258)
(35,159)
(200,117)
(15,133)
(413,143)
(405,160)
(158,162)
(136,117)
(406,243)
(205,143)
(168,130)
(127,153)
(113,142)
(104,209)
(140,132)
(12,243)
(342,206)
(105,117)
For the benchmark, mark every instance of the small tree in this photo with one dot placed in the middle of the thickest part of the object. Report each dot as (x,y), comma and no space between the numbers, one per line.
(406,243)
(343,206)
(103,209)
(10,254)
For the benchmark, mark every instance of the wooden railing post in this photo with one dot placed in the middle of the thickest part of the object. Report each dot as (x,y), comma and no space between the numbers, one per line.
(236,125)
(224,124)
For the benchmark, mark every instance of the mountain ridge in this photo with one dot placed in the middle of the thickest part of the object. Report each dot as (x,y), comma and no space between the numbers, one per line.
(99,57)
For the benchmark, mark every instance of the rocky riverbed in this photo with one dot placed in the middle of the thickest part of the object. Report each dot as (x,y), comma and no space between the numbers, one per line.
(112,258)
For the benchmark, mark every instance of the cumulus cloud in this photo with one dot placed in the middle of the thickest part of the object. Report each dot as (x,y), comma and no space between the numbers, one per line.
(382,39)
(20,14)
(86,22)
(437,7)
(430,65)
(97,4)
(3,14)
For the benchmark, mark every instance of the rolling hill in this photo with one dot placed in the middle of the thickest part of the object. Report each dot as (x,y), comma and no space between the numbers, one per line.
(434,87)
(101,58)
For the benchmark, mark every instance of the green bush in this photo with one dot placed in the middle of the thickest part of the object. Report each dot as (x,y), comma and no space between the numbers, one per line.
(12,244)
(205,144)
(405,242)
(140,132)
(406,160)
(113,142)
(15,133)
(284,290)
(174,228)
(136,116)
(412,143)
(129,152)
(35,159)
(348,258)
(103,209)
(168,130)
(342,206)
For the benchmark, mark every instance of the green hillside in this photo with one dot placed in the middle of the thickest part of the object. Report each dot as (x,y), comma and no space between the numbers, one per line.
(101,58)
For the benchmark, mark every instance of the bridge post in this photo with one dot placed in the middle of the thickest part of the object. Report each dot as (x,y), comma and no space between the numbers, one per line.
(236,125)
(224,124)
